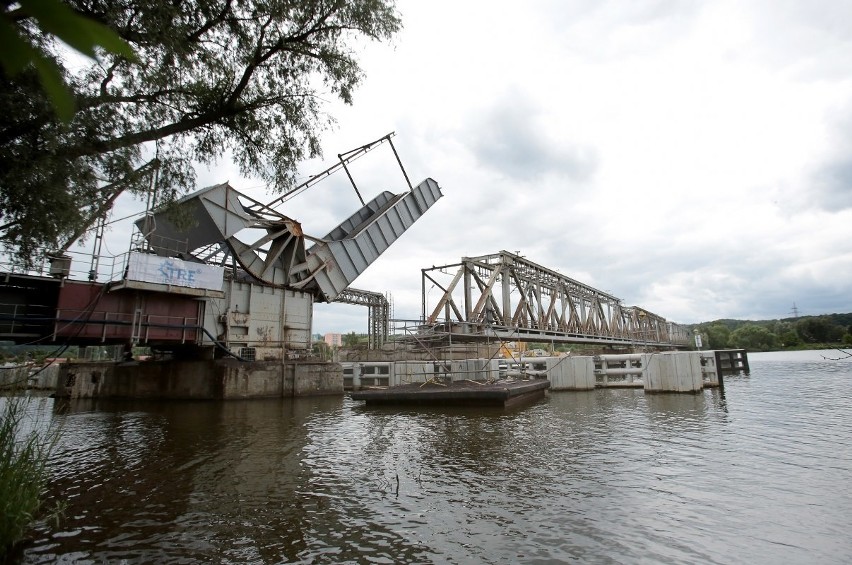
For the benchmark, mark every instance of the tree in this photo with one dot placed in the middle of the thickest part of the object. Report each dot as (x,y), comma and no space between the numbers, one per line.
(322,350)
(210,77)
(353,340)
(819,329)
(789,338)
(18,52)
(718,336)
(786,332)
(754,338)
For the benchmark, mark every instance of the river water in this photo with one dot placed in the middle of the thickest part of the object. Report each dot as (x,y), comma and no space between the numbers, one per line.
(758,473)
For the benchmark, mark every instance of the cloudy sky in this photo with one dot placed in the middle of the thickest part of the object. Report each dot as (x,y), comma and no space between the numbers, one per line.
(693,158)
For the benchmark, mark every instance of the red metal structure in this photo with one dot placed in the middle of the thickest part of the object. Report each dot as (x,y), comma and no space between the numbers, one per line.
(89,312)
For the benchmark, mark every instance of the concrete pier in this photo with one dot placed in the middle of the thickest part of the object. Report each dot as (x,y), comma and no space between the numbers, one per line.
(571,373)
(198,380)
(227,378)
(673,372)
(689,371)
(27,376)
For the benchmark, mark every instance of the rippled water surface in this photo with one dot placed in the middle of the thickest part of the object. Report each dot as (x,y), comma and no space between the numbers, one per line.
(758,473)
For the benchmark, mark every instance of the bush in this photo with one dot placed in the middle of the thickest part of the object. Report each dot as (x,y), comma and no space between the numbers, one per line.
(754,338)
(24,450)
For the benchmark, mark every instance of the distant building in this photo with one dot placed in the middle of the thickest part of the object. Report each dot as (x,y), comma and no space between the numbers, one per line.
(333,339)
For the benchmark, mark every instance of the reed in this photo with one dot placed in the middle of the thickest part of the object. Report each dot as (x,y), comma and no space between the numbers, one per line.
(25,446)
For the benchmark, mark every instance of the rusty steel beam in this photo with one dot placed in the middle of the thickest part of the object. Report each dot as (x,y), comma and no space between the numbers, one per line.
(508,296)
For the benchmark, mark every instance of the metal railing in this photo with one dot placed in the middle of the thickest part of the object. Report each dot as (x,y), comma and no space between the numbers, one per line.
(74,265)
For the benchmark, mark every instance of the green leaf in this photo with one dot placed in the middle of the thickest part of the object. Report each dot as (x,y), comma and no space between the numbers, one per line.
(54,86)
(83,34)
(17,54)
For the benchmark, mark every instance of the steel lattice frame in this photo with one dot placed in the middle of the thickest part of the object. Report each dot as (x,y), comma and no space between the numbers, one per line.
(506,296)
(378,313)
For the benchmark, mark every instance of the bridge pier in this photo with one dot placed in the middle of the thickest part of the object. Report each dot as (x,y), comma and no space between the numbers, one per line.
(673,372)
(571,373)
(222,379)
(688,372)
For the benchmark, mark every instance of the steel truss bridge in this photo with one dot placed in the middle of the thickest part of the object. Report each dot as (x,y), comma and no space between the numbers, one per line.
(507,297)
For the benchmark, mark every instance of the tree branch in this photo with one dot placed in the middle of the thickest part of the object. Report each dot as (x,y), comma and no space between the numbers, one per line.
(108,77)
(210,24)
(843,351)
(117,188)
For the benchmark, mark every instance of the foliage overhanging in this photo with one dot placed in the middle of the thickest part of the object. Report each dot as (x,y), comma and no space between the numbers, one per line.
(209,78)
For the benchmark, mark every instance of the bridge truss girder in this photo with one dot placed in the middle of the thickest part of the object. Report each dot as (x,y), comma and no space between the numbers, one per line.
(506,296)
(378,313)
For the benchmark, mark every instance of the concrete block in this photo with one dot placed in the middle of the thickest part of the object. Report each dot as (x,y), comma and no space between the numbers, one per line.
(673,372)
(253,380)
(46,378)
(312,379)
(709,370)
(223,379)
(84,379)
(14,376)
(490,369)
(571,373)
(412,372)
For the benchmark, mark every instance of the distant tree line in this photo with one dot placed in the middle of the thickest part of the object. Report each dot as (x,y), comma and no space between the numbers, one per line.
(830,330)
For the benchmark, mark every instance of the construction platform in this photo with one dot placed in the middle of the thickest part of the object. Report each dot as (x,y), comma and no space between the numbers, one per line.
(506,393)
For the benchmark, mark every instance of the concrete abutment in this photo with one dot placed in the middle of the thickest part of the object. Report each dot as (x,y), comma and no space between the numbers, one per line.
(197,380)
(680,372)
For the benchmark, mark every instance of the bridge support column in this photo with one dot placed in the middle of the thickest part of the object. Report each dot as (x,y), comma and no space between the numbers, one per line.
(571,373)
(709,370)
(673,372)
(356,376)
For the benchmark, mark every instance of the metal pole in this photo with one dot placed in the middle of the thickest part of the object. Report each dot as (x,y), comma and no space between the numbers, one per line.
(400,163)
(345,168)
(96,250)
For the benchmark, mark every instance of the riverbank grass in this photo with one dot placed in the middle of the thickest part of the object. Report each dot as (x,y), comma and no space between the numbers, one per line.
(24,450)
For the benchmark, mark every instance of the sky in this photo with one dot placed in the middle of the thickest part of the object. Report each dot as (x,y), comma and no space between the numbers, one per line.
(692,158)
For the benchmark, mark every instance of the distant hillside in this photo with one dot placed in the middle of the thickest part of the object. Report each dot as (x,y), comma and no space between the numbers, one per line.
(836,319)
(828,330)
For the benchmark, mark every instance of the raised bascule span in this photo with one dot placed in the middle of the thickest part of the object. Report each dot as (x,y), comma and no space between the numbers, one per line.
(507,297)
(221,217)
(338,258)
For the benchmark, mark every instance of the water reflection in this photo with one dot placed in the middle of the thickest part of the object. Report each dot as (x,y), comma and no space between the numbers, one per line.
(191,477)
(600,476)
